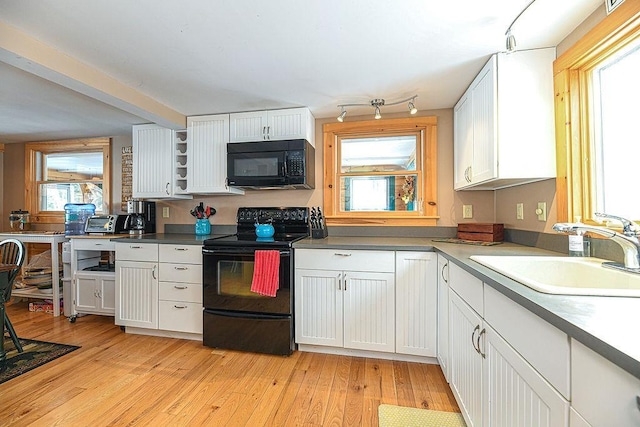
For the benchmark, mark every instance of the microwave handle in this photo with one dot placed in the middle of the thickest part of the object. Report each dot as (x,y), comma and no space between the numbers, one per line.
(284,165)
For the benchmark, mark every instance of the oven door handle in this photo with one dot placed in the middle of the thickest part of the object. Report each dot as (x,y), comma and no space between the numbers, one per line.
(238,252)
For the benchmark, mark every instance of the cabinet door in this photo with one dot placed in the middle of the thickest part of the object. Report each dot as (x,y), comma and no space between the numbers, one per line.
(86,294)
(416,303)
(369,311)
(207,154)
(106,292)
(248,127)
(152,161)
(137,294)
(292,123)
(443,315)
(483,95)
(515,394)
(318,307)
(462,142)
(465,363)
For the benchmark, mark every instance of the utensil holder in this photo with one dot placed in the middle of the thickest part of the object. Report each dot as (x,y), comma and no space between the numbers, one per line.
(203,227)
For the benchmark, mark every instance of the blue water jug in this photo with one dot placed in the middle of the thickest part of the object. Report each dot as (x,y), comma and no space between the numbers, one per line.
(75,217)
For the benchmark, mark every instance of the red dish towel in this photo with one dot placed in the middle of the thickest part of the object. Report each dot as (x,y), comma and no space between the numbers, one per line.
(266,273)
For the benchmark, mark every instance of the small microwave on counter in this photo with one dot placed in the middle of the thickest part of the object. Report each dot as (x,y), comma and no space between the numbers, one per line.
(288,164)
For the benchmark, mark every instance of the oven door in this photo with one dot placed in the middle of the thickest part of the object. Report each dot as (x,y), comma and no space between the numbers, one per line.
(227,276)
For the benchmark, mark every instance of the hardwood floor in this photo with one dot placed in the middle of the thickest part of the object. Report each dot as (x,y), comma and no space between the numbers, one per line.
(124,379)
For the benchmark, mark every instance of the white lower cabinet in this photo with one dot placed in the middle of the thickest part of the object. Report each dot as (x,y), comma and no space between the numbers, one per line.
(492,382)
(95,293)
(416,303)
(603,394)
(159,287)
(443,315)
(180,292)
(345,298)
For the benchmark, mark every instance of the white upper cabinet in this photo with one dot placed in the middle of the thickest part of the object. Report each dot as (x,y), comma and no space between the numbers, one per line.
(207,155)
(156,163)
(504,123)
(291,123)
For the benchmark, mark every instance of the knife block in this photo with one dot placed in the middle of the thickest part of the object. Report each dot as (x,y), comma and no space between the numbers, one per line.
(319,233)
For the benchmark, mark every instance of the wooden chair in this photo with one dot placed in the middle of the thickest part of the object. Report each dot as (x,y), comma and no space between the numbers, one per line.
(12,254)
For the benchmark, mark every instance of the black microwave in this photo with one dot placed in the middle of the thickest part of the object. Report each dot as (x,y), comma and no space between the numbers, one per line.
(288,164)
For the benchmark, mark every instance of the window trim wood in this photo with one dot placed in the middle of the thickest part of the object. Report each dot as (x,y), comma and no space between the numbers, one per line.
(571,85)
(428,128)
(73,145)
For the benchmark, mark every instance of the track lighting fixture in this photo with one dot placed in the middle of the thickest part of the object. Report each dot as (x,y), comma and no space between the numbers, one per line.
(511,39)
(376,104)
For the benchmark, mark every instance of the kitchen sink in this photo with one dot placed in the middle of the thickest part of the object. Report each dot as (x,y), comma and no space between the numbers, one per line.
(564,275)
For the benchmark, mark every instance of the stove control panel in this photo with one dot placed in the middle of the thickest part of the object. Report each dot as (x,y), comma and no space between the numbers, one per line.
(273,215)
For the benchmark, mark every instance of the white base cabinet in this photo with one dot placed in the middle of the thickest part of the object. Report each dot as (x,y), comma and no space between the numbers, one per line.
(443,315)
(416,303)
(95,293)
(491,380)
(351,304)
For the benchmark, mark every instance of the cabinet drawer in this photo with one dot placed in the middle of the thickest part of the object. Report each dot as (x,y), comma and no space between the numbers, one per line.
(137,251)
(180,316)
(352,260)
(187,254)
(525,332)
(467,286)
(603,393)
(183,273)
(185,292)
(93,244)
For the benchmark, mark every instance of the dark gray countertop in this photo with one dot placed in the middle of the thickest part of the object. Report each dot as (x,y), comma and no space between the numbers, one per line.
(607,325)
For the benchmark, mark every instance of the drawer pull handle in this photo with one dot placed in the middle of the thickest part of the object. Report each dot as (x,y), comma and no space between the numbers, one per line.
(482,332)
(473,342)
(180,287)
(180,306)
(180,249)
(135,247)
(339,254)
(181,268)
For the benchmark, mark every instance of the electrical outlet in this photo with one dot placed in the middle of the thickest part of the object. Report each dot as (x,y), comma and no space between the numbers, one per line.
(467,211)
(165,212)
(541,211)
(519,211)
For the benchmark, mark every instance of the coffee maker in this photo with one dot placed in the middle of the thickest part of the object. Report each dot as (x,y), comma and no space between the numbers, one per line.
(141,217)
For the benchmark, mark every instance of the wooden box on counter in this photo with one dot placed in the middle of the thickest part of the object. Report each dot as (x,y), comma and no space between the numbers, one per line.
(482,232)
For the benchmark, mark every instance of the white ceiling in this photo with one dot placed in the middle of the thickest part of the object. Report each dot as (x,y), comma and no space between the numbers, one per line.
(207,56)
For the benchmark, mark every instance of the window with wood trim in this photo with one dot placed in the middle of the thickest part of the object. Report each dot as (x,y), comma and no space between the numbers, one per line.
(595,137)
(61,172)
(381,172)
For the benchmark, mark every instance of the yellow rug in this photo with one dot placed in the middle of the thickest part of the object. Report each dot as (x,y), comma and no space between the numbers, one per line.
(399,416)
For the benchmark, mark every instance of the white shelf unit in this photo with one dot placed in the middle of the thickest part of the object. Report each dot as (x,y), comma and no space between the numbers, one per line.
(54,240)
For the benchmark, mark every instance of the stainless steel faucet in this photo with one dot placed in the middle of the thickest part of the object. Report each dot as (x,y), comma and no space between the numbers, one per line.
(628,240)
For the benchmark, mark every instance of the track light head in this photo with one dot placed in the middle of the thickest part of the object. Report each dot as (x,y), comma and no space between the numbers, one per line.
(378,116)
(412,108)
(342,115)
(511,42)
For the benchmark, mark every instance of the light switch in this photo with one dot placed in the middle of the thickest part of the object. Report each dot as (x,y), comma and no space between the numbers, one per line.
(541,211)
(519,211)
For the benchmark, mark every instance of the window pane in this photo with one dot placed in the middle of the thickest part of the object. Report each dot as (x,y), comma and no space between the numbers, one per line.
(73,166)
(393,193)
(53,197)
(384,154)
(617,88)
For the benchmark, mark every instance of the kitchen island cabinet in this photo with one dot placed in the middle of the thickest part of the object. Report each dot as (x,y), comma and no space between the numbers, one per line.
(93,291)
(345,299)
